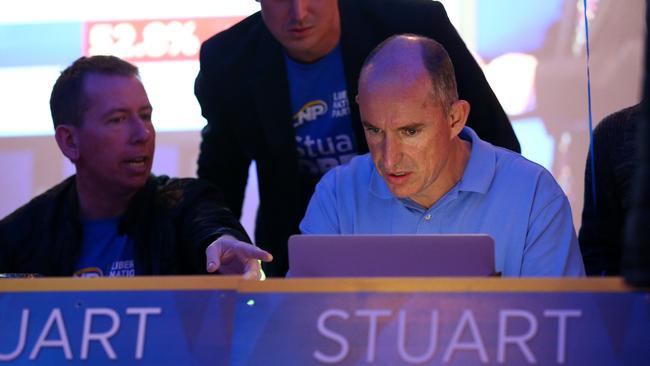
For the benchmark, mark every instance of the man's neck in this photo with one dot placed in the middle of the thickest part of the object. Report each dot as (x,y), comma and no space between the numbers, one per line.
(458,158)
(311,56)
(325,45)
(463,151)
(101,204)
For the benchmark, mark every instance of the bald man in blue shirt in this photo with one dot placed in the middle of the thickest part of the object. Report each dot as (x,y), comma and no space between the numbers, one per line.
(428,173)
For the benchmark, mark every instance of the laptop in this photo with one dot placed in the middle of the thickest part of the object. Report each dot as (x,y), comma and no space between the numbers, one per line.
(391,255)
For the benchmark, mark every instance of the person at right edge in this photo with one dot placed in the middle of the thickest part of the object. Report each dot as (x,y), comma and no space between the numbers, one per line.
(275,89)
(604,213)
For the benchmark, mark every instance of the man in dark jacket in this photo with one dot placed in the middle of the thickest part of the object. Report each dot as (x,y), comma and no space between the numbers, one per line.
(607,208)
(113,218)
(278,88)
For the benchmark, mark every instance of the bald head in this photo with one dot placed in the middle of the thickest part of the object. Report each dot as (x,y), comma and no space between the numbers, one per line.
(412,117)
(402,60)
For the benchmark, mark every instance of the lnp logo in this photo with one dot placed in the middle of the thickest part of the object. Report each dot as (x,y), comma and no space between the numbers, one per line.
(309,112)
(89,272)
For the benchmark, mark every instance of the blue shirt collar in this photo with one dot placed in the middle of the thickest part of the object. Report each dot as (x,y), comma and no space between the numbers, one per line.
(378,185)
(477,177)
(481,166)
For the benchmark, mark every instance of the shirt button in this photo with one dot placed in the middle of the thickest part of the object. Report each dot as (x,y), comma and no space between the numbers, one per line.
(427,217)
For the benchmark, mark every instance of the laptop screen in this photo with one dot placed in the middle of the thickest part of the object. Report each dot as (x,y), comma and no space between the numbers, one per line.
(391,255)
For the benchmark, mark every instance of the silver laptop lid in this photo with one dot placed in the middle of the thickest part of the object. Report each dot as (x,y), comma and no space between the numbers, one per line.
(391,255)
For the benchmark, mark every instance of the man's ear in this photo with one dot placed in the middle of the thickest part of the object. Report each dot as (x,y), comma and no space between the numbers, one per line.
(458,114)
(66,138)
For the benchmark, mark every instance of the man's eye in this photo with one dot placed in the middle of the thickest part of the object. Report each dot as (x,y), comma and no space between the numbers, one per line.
(146,117)
(410,131)
(117,119)
(373,130)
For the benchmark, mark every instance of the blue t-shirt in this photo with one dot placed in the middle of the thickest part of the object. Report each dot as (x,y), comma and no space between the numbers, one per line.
(502,194)
(321,113)
(104,252)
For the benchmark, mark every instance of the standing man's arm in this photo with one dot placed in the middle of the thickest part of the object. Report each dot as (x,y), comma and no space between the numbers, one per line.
(222,159)
(430,19)
(486,116)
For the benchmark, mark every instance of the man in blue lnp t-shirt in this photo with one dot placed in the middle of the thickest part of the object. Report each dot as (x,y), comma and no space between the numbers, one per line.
(429,173)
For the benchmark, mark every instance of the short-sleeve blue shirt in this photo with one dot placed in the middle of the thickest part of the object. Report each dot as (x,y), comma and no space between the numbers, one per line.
(501,193)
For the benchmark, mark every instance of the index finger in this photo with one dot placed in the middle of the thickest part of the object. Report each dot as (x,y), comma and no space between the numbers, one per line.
(252,270)
(257,253)
(212,256)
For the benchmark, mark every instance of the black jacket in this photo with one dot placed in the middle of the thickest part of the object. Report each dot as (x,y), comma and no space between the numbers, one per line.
(601,235)
(171,221)
(244,95)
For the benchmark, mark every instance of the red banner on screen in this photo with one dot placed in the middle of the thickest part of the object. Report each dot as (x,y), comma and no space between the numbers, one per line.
(152,39)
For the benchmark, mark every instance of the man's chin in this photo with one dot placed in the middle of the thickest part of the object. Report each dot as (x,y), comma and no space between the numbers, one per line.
(400,192)
(134,183)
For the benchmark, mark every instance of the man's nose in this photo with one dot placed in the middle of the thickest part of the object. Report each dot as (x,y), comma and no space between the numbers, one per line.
(391,152)
(141,130)
(298,10)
